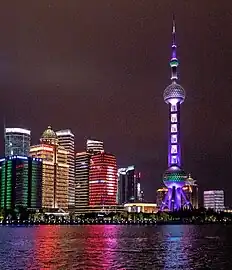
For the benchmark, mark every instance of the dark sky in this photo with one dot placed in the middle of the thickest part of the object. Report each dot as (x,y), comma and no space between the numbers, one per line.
(100,67)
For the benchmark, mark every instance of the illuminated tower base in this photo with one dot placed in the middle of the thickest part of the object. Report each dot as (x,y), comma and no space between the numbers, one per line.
(174,200)
(174,180)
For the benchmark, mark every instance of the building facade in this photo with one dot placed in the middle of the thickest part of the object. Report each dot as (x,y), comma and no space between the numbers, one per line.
(191,191)
(214,199)
(21,182)
(17,142)
(82,167)
(102,180)
(94,146)
(160,195)
(129,187)
(55,171)
(66,140)
(149,208)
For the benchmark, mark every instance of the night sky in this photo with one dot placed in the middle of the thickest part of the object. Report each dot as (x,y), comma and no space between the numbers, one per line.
(100,68)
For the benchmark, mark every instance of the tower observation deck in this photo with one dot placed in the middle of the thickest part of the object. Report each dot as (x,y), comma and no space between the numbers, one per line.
(174,177)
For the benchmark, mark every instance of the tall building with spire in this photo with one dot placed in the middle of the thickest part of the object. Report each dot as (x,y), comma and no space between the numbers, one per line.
(66,139)
(174,177)
(55,170)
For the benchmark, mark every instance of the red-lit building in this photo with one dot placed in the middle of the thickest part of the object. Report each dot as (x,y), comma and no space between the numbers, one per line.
(102,179)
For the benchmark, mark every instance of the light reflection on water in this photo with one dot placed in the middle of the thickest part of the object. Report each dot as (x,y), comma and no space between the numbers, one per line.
(116,247)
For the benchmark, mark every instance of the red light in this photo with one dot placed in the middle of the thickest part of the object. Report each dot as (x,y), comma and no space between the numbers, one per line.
(103,180)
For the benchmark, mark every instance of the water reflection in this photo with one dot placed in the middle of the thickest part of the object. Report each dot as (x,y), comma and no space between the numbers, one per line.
(176,246)
(116,247)
(47,248)
(100,246)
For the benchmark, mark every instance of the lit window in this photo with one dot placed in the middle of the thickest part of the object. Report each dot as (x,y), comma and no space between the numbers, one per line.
(174,128)
(174,159)
(174,149)
(173,108)
(174,138)
(174,117)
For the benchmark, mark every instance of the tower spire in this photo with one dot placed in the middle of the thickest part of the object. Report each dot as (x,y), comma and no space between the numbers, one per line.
(173,30)
(174,61)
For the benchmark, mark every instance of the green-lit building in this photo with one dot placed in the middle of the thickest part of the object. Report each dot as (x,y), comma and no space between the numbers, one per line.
(20,182)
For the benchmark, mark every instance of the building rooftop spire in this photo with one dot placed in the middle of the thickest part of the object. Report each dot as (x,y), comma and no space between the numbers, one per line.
(173,30)
(174,92)
(174,61)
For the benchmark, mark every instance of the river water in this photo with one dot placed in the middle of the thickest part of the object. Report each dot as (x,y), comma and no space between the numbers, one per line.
(116,247)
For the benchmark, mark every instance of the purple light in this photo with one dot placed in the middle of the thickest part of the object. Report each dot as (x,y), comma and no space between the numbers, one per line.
(174,177)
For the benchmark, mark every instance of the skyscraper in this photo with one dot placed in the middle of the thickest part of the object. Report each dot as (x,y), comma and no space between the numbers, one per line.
(128,185)
(102,180)
(214,199)
(17,141)
(66,139)
(174,177)
(191,191)
(160,195)
(55,170)
(20,182)
(94,146)
(82,168)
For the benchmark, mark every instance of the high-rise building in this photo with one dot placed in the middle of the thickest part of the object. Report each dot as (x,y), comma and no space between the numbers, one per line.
(214,199)
(160,195)
(102,179)
(191,191)
(174,177)
(82,167)
(94,146)
(55,170)
(129,189)
(17,141)
(20,182)
(66,139)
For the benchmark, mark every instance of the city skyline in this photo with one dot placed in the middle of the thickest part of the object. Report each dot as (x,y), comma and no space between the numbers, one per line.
(117,66)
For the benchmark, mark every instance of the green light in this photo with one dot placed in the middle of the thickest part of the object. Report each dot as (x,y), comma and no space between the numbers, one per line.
(174,63)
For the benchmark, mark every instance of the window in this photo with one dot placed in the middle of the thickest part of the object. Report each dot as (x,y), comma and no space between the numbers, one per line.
(174,117)
(174,138)
(173,159)
(173,108)
(174,149)
(174,128)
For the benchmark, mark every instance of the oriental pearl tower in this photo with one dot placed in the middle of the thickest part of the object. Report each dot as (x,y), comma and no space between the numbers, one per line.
(174,177)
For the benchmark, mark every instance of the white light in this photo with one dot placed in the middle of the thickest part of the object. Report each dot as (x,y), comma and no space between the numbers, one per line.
(173,101)
(130,168)
(64,132)
(18,130)
(21,157)
(94,142)
(173,128)
(122,171)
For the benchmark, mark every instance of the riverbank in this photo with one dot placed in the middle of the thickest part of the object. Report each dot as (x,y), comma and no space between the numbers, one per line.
(126,223)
